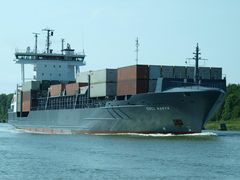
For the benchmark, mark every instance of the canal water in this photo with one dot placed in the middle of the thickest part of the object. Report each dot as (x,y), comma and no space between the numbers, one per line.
(208,155)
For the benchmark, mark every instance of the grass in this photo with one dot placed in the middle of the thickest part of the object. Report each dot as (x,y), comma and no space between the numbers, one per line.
(233,124)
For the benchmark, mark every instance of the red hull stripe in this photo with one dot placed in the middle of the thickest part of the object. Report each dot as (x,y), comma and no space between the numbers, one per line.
(65,131)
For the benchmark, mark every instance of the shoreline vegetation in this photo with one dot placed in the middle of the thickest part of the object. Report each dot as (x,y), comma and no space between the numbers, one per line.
(228,114)
(232,125)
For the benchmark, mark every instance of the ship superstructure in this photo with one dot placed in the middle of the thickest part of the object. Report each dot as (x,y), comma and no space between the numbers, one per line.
(49,65)
(137,98)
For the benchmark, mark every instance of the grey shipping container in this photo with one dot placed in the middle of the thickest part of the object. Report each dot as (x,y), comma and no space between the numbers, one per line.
(204,73)
(152,85)
(216,73)
(190,72)
(31,85)
(103,76)
(103,89)
(82,77)
(167,71)
(154,71)
(179,72)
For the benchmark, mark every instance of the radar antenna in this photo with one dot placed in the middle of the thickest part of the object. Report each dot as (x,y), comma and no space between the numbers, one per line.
(48,42)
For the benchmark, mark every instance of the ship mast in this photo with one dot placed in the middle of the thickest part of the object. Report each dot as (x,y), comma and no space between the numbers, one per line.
(48,42)
(36,37)
(137,49)
(196,69)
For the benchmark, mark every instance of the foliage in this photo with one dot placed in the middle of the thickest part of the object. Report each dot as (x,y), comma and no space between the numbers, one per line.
(5,102)
(231,108)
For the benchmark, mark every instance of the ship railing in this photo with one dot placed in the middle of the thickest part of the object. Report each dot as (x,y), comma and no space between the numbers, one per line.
(67,102)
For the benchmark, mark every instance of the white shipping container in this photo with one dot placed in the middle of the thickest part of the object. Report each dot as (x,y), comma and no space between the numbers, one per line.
(31,85)
(190,72)
(204,73)
(103,89)
(216,73)
(167,71)
(179,72)
(82,77)
(103,76)
(154,72)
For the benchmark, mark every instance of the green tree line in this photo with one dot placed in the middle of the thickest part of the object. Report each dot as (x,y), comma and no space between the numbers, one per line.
(5,102)
(230,109)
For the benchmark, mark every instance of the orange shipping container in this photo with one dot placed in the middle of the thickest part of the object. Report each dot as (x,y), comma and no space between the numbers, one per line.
(28,100)
(73,88)
(55,90)
(133,72)
(131,87)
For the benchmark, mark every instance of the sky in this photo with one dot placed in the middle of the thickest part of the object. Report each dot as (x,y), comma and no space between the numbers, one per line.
(168,31)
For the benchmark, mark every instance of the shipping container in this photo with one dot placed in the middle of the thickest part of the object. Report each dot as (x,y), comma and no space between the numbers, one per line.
(190,72)
(154,72)
(31,85)
(132,73)
(74,88)
(103,89)
(56,90)
(29,99)
(204,73)
(103,76)
(180,72)
(152,85)
(167,71)
(19,101)
(131,87)
(82,77)
(45,85)
(216,73)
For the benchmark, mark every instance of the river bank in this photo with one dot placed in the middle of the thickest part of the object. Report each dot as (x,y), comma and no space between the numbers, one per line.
(231,125)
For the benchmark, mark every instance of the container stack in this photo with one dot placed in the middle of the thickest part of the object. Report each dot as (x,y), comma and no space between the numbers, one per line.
(190,73)
(29,100)
(167,71)
(56,90)
(216,73)
(19,105)
(132,80)
(31,85)
(179,72)
(82,77)
(154,74)
(74,88)
(103,83)
(28,95)
(204,73)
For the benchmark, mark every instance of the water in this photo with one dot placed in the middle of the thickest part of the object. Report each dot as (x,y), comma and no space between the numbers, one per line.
(209,155)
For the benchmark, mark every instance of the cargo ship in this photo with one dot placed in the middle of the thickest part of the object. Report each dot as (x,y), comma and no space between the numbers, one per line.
(131,99)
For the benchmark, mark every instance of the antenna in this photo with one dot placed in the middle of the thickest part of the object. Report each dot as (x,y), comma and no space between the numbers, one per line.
(36,37)
(196,58)
(63,45)
(137,49)
(48,42)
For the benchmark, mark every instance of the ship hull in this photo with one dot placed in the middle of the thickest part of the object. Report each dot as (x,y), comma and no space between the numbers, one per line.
(177,112)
